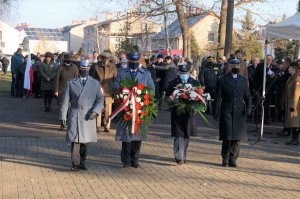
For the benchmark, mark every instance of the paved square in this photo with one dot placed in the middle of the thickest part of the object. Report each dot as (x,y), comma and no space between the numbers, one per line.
(35,162)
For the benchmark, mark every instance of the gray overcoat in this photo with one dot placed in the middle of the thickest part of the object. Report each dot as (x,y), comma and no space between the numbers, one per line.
(144,77)
(82,100)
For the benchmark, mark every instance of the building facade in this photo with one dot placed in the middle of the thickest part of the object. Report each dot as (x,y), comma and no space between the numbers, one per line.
(9,39)
(110,33)
(74,34)
(204,28)
(42,40)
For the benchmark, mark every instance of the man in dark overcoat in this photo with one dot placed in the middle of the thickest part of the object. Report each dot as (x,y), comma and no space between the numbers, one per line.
(131,144)
(233,104)
(182,125)
(81,103)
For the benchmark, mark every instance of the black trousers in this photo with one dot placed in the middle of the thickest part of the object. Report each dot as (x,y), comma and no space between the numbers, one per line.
(230,150)
(130,152)
(13,85)
(48,95)
(78,151)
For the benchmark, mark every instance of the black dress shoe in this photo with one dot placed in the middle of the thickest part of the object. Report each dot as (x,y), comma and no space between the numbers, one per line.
(126,165)
(82,167)
(74,168)
(180,162)
(135,165)
(292,142)
(224,162)
(106,130)
(233,164)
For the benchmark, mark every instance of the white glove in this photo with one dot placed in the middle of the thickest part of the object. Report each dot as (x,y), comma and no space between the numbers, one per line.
(270,72)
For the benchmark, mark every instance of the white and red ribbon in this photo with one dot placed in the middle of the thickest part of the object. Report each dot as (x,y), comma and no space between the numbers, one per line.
(132,98)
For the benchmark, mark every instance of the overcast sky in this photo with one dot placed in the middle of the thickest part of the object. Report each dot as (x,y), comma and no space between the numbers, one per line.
(59,13)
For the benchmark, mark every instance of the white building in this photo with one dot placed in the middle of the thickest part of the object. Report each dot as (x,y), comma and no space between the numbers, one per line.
(74,34)
(110,33)
(44,40)
(9,39)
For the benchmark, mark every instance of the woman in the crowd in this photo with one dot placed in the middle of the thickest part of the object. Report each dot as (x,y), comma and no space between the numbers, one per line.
(48,73)
(292,103)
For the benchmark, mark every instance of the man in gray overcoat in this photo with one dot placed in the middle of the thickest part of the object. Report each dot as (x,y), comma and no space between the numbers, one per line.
(131,144)
(84,95)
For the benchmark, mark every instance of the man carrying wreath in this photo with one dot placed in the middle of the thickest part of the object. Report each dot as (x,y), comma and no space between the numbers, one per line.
(131,143)
(183,125)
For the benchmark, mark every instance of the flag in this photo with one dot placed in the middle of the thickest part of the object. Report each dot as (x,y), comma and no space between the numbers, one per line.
(28,78)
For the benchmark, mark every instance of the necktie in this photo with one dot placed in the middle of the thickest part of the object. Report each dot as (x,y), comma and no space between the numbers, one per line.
(83,82)
(133,74)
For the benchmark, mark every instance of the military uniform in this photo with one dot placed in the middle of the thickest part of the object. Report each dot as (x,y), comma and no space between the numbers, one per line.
(81,102)
(131,144)
(232,104)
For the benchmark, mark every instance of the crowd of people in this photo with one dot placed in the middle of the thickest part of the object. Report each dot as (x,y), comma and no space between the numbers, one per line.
(235,86)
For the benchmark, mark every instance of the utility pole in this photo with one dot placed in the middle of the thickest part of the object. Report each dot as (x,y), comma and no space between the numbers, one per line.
(229,28)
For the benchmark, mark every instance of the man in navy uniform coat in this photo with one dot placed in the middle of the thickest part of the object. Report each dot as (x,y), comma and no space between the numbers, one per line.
(84,95)
(233,104)
(182,125)
(131,144)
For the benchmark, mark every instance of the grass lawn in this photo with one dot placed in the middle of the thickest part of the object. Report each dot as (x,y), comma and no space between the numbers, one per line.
(5,82)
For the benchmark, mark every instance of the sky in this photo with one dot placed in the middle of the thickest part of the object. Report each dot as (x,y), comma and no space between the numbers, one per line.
(59,13)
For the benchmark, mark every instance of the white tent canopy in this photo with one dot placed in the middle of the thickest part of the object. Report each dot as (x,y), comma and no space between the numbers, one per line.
(286,29)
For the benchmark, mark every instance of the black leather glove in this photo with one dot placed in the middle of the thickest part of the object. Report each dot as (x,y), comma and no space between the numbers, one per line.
(292,109)
(249,112)
(63,123)
(92,115)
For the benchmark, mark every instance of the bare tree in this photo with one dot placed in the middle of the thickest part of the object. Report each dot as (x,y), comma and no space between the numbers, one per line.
(183,26)
(297,48)
(222,28)
(5,7)
(229,28)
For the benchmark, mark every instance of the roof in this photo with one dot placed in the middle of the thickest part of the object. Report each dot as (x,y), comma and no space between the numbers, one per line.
(174,28)
(68,28)
(44,34)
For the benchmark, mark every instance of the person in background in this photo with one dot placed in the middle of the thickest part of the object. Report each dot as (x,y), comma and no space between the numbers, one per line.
(251,70)
(243,65)
(4,62)
(131,143)
(232,105)
(95,57)
(172,71)
(151,67)
(292,103)
(161,70)
(81,103)
(16,62)
(105,72)
(48,73)
(123,63)
(66,71)
(182,125)
(56,59)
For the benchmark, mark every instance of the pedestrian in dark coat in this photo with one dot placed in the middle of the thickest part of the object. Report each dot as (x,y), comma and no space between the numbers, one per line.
(65,72)
(131,144)
(5,62)
(182,125)
(48,73)
(172,71)
(16,83)
(233,103)
(81,103)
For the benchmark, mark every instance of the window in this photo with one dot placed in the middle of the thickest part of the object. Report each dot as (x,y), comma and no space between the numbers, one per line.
(211,37)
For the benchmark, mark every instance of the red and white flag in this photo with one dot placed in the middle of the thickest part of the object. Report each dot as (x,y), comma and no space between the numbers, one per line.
(28,77)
